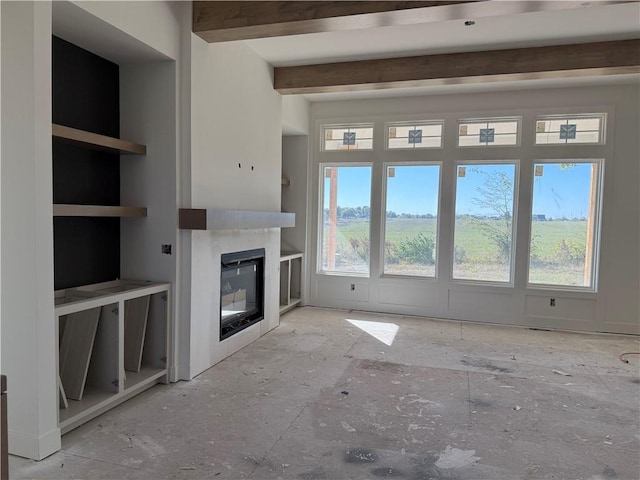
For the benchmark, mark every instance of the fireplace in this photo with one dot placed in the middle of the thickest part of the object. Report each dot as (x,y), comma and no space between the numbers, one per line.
(241,291)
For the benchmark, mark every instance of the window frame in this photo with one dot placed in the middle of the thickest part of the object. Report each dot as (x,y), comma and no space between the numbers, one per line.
(517,119)
(325,127)
(383,222)
(320,211)
(406,123)
(597,225)
(567,116)
(514,222)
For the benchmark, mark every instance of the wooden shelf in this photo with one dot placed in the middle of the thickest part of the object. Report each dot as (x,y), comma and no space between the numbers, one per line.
(69,210)
(284,256)
(96,141)
(294,302)
(146,375)
(93,399)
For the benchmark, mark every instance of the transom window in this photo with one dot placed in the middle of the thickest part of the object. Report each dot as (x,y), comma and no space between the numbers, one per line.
(347,137)
(488,132)
(410,135)
(564,129)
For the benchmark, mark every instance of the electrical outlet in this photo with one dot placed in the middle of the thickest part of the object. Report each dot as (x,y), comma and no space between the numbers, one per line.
(166,249)
(552,302)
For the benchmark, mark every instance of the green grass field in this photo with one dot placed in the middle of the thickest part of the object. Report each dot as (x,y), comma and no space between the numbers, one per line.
(558,249)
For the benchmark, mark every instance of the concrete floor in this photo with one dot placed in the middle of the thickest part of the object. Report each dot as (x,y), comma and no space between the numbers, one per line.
(319,398)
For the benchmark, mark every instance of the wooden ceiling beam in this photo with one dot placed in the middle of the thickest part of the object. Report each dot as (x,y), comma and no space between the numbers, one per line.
(220,21)
(560,61)
(238,20)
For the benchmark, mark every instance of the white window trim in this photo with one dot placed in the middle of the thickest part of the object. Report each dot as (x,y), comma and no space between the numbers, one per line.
(514,222)
(595,265)
(383,223)
(320,225)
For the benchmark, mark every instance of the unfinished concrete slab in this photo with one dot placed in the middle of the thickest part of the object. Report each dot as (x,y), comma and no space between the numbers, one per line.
(334,394)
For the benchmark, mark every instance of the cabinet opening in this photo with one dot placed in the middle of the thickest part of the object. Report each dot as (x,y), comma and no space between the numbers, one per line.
(145,338)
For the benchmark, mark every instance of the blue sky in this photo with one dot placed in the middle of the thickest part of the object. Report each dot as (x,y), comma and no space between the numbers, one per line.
(556,193)
(562,193)
(414,190)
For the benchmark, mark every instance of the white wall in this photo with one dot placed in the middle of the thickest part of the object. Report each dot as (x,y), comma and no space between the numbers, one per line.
(614,308)
(235,120)
(151,23)
(148,116)
(295,159)
(235,125)
(295,115)
(27,231)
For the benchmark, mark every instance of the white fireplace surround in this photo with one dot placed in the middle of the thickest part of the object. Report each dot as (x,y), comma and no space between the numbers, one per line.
(206,348)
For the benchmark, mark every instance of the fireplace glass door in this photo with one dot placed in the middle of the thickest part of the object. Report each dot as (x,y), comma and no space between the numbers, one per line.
(241,291)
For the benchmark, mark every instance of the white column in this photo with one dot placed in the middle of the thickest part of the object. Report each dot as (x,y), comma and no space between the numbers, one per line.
(27,309)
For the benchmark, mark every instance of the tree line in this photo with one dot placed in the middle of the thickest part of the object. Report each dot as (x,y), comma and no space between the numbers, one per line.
(365,212)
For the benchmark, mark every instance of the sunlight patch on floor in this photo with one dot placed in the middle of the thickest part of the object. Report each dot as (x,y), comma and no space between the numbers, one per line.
(385,332)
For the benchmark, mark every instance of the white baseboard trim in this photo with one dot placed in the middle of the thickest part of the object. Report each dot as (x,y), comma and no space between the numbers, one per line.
(36,448)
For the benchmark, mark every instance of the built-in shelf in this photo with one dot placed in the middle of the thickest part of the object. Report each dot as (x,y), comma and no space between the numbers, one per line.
(290,280)
(96,141)
(69,210)
(218,219)
(145,375)
(101,327)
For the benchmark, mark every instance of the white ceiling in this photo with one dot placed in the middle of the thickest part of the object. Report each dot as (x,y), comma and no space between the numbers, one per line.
(583,22)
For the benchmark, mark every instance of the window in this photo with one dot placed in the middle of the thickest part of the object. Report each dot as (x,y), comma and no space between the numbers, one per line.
(488,132)
(346,202)
(483,236)
(347,137)
(411,220)
(403,135)
(554,129)
(564,223)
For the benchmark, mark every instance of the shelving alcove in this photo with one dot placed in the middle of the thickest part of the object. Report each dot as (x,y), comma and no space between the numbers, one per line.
(114,335)
(290,280)
(94,141)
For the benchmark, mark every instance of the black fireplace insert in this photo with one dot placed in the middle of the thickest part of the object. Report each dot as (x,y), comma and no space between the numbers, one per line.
(241,291)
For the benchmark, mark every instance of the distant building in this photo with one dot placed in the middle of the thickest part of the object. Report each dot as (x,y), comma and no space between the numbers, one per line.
(539,217)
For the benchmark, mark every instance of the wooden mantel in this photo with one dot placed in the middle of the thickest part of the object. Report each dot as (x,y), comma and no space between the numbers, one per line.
(222,219)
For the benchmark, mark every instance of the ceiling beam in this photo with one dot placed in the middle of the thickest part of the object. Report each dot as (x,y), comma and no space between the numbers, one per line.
(238,20)
(560,61)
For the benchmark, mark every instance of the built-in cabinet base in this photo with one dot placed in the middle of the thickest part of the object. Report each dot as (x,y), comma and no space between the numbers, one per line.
(290,280)
(113,344)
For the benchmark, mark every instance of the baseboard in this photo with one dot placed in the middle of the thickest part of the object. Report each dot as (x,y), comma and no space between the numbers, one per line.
(36,448)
